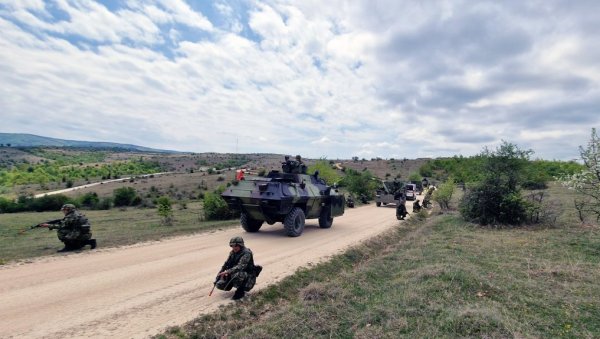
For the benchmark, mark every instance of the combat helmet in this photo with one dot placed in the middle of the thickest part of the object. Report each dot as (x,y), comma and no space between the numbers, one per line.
(236,241)
(69,207)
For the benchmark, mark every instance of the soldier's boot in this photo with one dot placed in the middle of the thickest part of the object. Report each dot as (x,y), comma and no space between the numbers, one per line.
(67,248)
(92,243)
(239,294)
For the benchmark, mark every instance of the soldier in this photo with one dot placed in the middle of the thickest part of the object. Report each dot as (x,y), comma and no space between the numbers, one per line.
(427,198)
(238,270)
(73,230)
(401,211)
(416,206)
(363,198)
(288,165)
(301,167)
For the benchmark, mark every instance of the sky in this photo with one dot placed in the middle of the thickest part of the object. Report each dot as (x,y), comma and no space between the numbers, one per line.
(324,79)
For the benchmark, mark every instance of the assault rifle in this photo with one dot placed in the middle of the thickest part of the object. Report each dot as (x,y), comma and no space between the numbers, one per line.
(51,222)
(214,285)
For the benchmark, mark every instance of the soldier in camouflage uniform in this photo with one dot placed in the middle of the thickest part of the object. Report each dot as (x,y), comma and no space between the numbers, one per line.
(416,206)
(73,230)
(427,198)
(300,166)
(238,270)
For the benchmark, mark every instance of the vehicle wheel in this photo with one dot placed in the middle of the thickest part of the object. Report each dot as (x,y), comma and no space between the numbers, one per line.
(378,204)
(294,222)
(325,219)
(249,224)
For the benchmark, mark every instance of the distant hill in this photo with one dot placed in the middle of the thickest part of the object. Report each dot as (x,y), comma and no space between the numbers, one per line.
(30,140)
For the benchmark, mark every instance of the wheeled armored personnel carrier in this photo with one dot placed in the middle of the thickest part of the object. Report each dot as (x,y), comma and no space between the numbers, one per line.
(390,192)
(284,197)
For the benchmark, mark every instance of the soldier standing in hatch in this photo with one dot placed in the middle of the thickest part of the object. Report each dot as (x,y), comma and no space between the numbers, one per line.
(238,270)
(301,167)
(73,230)
(288,165)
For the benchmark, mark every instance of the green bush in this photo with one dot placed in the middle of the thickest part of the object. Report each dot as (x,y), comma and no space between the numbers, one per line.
(325,171)
(443,194)
(359,183)
(89,200)
(497,198)
(165,210)
(215,208)
(124,196)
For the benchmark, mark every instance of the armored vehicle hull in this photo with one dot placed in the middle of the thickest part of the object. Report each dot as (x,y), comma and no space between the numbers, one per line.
(289,198)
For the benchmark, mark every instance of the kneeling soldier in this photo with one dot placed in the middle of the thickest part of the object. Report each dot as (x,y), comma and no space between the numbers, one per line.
(238,270)
(73,230)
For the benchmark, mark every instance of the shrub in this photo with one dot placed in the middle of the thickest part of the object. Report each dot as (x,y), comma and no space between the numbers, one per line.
(497,198)
(89,200)
(443,194)
(124,196)
(47,203)
(215,208)
(325,171)
(165,210)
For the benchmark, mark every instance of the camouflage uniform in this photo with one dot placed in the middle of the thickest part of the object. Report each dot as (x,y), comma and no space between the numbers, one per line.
(74,229)
(300,167)
(427,198)
(401,212)
(416,206)
(288,166)
(240,269)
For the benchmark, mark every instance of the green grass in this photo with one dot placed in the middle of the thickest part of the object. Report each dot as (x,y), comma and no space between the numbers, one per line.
(435,278)
(112,228)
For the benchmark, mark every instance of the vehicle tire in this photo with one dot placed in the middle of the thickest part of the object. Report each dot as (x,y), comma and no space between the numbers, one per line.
(325,219)
(249,224)
(294,222)
(378,204)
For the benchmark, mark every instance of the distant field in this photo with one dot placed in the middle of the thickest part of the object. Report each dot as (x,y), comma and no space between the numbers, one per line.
(437,278)
(112,228)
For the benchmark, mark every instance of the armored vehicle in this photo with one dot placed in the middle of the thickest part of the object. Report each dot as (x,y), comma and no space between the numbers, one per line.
(390,192)
(289,196)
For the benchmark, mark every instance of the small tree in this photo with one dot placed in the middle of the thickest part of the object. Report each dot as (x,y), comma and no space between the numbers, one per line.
(497,198)
(165,210)
(587,182)
(443,194)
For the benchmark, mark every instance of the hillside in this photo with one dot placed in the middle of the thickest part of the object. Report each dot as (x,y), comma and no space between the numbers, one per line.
(188,176)
(30,140)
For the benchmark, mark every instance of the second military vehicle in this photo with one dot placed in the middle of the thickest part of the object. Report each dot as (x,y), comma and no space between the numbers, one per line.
(390,192)
(290,196)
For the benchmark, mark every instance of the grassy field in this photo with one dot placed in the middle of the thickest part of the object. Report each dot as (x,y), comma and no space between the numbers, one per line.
(438,277)
(112,228)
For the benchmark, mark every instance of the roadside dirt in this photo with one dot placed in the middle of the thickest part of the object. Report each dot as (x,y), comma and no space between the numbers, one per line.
(138,291)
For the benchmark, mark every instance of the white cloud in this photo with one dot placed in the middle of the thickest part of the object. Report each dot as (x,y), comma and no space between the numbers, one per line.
(334,79)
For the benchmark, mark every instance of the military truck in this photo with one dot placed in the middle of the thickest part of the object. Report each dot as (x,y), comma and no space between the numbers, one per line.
(289,198)
(390,192)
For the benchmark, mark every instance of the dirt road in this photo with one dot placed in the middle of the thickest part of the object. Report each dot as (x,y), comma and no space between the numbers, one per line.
(137,291)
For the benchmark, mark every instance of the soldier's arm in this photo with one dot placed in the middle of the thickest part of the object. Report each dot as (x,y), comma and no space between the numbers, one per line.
(56,225)
(242,264)
(227,264)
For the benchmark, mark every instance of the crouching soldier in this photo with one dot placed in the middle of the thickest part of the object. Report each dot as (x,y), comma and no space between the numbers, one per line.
(73,230)
(238,270)
(416,207)
(401,211)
